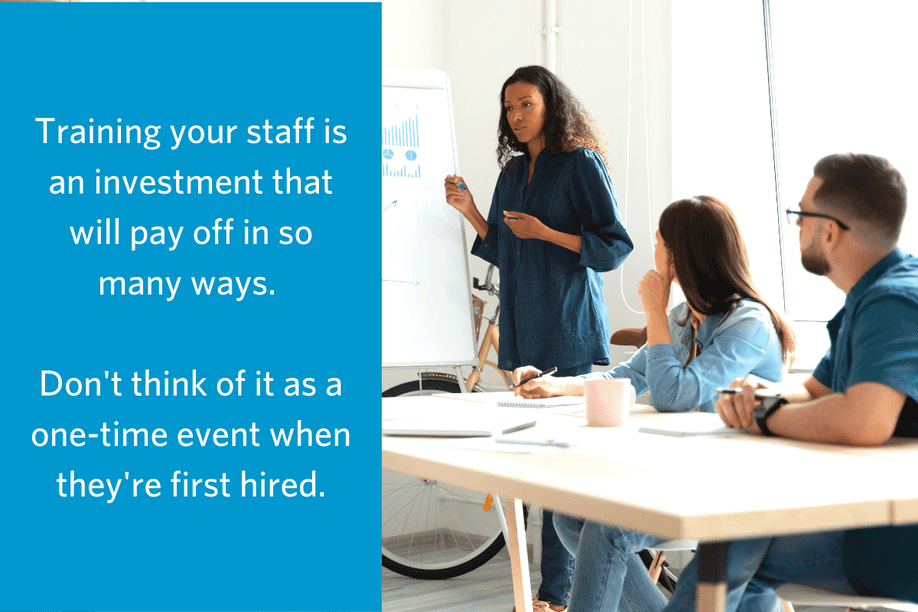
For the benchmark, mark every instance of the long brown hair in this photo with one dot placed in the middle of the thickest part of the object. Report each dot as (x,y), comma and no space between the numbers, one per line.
(711,263)
(567,126)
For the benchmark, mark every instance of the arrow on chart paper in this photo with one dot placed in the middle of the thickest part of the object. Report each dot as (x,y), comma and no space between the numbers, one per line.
(390,205)
(389,280)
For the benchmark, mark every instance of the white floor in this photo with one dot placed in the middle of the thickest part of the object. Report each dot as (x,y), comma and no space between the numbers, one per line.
(487,589)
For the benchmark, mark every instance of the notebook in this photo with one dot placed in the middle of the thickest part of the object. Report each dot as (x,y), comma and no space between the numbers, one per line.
(543,402)
(689,424)
(506,399)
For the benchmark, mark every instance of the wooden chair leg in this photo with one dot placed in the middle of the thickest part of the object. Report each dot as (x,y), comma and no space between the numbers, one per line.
(656,566)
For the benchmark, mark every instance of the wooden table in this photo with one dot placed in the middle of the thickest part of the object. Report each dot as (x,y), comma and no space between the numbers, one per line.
(711,489)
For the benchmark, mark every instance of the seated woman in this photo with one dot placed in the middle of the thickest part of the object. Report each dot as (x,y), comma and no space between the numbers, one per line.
(724,331)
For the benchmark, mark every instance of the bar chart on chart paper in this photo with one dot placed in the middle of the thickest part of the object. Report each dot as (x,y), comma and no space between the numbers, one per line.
(425,281)
(401,145)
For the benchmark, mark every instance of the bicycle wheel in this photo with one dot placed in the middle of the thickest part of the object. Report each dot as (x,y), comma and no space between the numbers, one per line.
(430,383)
(433,530)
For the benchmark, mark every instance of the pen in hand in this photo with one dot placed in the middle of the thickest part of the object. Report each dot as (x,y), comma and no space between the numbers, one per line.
(533,377)
(759,393)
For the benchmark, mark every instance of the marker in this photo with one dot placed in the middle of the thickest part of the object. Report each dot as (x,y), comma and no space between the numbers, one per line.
(531,442)
(533,377)
(759,393)
(461,185)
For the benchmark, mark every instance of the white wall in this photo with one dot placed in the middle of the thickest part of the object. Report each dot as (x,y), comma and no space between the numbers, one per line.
(480,42)
(412,34)
(596,41)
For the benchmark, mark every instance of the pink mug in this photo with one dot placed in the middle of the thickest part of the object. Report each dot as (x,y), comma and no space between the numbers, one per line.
(608,401)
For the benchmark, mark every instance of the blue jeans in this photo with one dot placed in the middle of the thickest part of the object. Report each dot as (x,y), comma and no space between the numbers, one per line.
(608,575)
(756,567)
(557,562)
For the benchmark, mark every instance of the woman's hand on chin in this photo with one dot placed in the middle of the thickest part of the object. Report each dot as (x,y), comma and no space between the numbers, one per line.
(654,292)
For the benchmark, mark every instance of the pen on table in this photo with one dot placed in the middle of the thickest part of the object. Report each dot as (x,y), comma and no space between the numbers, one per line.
(533,377)
(759,393)
(535,442)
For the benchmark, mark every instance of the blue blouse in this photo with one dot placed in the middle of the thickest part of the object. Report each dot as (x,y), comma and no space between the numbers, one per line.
(744,342)
(552,308)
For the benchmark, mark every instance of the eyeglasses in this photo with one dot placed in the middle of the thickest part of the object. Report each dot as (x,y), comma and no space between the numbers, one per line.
(790,217)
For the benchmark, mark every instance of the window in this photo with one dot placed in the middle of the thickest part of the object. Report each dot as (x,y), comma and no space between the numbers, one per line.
(843,81)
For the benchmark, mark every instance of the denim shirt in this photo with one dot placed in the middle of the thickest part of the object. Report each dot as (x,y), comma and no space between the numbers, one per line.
(743,342)
(552,307)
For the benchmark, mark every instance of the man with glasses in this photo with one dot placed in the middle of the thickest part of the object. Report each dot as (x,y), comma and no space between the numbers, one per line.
(863,391)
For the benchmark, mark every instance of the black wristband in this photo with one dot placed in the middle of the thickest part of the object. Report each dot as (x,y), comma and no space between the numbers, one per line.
(768,407)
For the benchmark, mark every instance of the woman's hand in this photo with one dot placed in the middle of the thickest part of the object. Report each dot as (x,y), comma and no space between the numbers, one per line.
(457,197)
(524,226)
(654,292)
(546,386)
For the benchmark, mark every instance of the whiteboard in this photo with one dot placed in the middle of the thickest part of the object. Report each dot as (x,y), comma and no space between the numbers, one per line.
(426,297)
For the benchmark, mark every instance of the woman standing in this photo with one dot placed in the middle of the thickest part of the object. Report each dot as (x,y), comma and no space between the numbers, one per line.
(552,230)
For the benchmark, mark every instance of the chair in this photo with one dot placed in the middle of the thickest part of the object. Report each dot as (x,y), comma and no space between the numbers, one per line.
(666,578)
(631,336)
(810,596)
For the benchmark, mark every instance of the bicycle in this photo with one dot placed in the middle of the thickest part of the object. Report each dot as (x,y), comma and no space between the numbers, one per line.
(440,382)
(432,530)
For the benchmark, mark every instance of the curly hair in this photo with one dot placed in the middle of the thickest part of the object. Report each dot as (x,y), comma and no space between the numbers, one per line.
(567,126)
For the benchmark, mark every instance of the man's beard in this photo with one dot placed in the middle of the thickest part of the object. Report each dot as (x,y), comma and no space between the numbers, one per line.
(814,262)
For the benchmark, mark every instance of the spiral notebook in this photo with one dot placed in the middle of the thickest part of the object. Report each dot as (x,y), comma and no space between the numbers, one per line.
(506,399)
(574,402)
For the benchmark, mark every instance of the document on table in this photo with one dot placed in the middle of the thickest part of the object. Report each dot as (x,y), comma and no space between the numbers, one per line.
(521,446)
(688,424)
(403,417)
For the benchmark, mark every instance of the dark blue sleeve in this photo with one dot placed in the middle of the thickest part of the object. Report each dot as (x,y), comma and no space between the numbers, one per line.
(606,243)
(823,371)
(487,248)
(884,343)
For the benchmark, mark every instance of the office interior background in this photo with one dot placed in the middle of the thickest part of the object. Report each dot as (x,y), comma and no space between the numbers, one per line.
(684,92)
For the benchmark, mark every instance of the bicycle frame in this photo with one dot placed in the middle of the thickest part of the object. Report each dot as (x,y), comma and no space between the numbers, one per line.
(491,338)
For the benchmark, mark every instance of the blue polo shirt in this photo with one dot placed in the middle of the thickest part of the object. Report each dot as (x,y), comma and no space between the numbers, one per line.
(875,335)
(875,339)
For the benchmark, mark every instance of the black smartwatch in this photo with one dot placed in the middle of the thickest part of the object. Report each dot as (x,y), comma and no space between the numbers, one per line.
(767,408)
